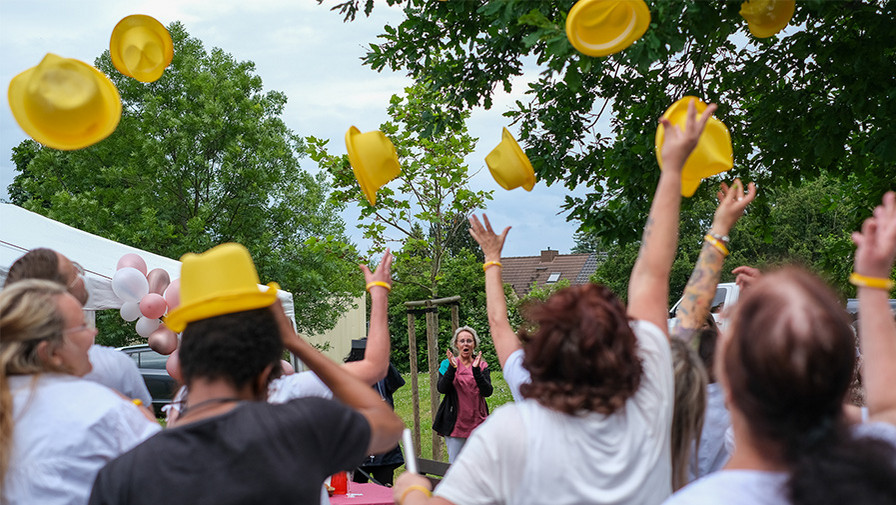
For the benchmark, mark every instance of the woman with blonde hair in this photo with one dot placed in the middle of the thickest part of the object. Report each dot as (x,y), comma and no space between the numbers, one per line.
(56,429)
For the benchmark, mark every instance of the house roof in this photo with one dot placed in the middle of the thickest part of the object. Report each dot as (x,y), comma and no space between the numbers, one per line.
(524,271)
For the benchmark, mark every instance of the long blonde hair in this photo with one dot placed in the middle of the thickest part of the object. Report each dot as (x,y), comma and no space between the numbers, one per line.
(29,315)
(690,407)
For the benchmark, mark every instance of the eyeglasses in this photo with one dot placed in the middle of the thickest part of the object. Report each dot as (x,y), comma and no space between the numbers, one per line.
(80,275)
(77,329)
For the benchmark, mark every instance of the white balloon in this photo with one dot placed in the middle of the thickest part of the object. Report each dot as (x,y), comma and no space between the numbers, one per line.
(146,326)
(130,311)
(130,284)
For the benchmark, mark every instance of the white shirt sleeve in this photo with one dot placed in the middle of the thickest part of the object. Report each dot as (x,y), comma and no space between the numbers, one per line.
(490,463)
(297,385)
(114,369)
(515,374)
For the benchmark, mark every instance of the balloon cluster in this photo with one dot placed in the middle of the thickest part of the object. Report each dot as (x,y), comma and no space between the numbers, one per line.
(147,296)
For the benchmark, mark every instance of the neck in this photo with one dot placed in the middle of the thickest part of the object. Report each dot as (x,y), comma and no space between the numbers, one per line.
(748,453)
(208,398)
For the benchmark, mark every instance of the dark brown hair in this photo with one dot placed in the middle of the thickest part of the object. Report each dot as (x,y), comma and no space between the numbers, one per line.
(788,365)
(582,354)
(40,263)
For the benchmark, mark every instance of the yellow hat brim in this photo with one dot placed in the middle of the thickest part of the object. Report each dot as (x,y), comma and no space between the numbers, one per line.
(141,21)
(712,155)
(762,26)
(112,115)
(595,37)
(358,167)
(220,304)
(492,161)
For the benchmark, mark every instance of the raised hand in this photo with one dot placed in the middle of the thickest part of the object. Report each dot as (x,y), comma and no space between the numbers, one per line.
(477,360)
(382,272)
(732,202)
(746,276)
(451,358)
(679,143)
(490,242)
(876,243)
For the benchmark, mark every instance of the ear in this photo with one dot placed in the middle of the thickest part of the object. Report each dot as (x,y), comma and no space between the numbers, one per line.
(49,355)
(261,382)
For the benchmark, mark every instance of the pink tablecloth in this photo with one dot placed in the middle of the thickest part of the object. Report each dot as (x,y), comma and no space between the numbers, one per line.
(364,494)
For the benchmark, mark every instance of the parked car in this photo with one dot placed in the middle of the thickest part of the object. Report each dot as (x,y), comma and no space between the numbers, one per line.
(726,294)
(151,364)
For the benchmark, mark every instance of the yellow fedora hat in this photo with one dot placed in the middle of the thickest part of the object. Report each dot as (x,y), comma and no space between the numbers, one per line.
(141,48)
(64,103)
(767,17)
(222,280)
(713,154)
(373,158)
(509,165)
(604,27)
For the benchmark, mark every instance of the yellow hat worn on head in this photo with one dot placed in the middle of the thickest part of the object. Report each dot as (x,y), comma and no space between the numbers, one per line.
(64,103)
(713,154)
(141,48)
(222,280)
(509,165)
(767,17)
(373,158)
(604,27)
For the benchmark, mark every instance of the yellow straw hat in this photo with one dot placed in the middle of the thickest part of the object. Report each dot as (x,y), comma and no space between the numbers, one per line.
(222,280)
(64,103)
(509,165)
(713,154)
(767,17)
(373,158)
(141,48)
(604,27)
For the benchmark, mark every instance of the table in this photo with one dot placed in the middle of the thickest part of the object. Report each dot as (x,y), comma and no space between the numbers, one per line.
(364,494)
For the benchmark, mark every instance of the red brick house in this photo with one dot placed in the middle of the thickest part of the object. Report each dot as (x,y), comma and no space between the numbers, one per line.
(548,268)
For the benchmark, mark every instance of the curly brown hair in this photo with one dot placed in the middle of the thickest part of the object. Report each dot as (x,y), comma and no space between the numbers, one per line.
(582,354)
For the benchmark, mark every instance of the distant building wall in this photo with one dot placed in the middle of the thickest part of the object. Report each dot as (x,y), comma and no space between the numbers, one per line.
(352,325)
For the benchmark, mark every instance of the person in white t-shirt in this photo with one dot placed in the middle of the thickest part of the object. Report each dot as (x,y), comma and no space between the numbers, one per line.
(56,429)
(593,381)
(786,363)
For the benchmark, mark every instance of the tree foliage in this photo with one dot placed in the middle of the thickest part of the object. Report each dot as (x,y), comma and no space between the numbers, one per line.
(202,157)
(817,98)
(425,210)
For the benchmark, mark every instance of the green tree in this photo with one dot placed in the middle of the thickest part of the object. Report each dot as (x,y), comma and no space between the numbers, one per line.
(816,99)
(426,211)
(202,157)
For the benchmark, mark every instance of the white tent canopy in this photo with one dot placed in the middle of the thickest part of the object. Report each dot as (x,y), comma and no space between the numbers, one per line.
(22,230)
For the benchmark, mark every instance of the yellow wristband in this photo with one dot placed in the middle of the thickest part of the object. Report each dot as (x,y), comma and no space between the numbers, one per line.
(137,401)
(379,283)
(486,265)
(717,244)
(870,282)
(415,487)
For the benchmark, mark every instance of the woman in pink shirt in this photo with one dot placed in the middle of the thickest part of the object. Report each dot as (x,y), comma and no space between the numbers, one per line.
(466,382)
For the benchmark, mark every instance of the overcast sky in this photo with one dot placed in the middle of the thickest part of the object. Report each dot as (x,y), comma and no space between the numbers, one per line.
(300,48)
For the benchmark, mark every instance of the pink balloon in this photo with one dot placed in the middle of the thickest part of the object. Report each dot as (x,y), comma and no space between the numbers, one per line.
(158,280)
(132,260)
(173,366)
(163,340)
(153,306)
(172,294)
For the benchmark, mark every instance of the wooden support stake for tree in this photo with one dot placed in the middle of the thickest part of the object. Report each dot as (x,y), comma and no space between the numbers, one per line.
(415,395)
(455,319)
(432,345)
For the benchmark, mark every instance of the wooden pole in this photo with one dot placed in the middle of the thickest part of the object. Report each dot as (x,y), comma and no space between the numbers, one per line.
(455,318)
(415,395)
(432,345)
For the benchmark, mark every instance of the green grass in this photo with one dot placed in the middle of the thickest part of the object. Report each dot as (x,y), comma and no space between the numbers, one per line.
(404,408)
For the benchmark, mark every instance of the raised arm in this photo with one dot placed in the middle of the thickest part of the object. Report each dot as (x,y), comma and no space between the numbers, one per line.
(385,426)
(701,287)
(875,253)
(506,341)
(648,286)
(375,364)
